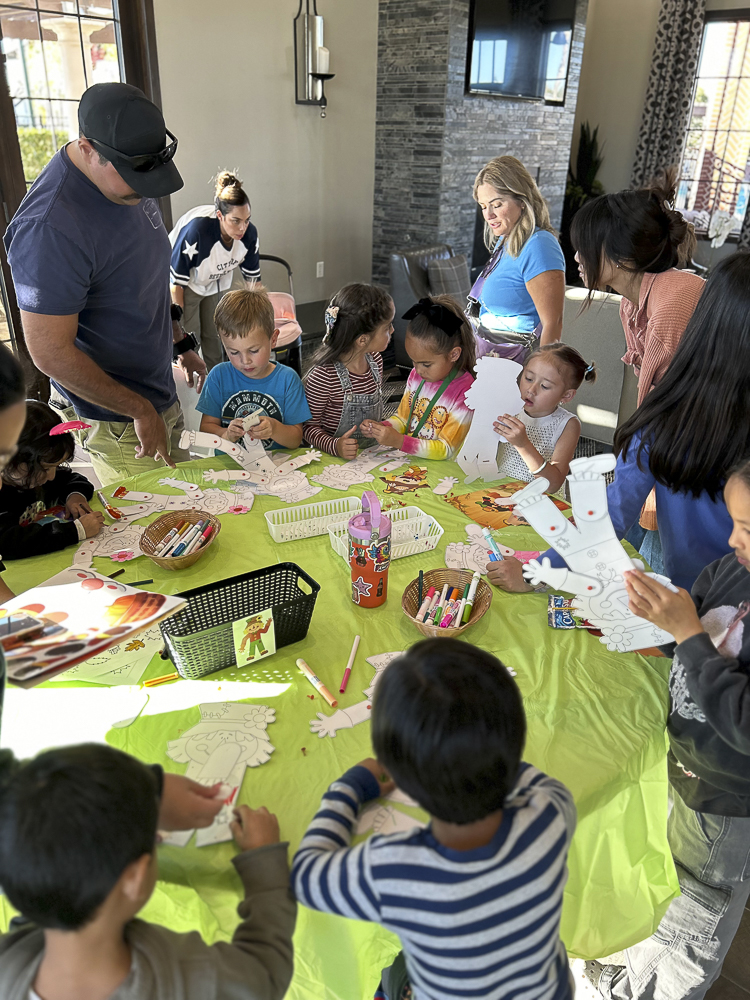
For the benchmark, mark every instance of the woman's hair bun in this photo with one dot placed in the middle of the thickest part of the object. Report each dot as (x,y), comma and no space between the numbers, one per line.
(226,179)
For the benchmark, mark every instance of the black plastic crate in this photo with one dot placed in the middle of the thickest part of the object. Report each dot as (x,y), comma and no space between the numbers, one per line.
(199,638)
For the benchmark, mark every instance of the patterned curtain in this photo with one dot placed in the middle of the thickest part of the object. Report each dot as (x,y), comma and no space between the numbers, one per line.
(670,88)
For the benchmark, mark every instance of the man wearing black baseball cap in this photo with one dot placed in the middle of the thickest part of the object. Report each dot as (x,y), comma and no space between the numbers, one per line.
(90,257)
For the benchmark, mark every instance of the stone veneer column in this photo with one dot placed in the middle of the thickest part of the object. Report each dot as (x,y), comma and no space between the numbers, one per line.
(431,137)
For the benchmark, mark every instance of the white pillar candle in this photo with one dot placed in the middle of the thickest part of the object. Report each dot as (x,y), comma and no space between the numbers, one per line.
(322,62)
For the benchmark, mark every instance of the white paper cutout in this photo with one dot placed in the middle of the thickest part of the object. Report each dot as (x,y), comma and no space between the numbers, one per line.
(346,718)
(595,558)
(445,485)
(132,495)
(385,819)
(399,458)
(229,737)
(123,664)
(192,489)
(343,477)
(494,392)
(473,555)
(251,420)
(253,457)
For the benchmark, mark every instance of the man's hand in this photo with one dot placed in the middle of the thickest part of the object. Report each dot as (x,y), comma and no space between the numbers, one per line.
(185,804)
(92,523)
(672,612)
(253,828)
(384,780)
(346,446)
(76,506)
(264,429)
(152,434)
(513,430)
(193,367)
(383,433)
(508,575)
(234,431)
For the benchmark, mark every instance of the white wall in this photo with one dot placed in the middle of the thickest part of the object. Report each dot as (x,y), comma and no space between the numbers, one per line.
(227,84)
(614,75)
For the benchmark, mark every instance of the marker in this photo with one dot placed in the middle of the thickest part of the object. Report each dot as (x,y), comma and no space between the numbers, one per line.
(442,608)
(491,556)
(431,606)
(492,544)
(113,512)
(462,605)
(316,682)
(425,605)
(189,536)
(140,583)
(437,609)
(176,540)
(160,680)
(450,610)
(347,672)
(200,540)
(117,572)
(470,599)
(169,537)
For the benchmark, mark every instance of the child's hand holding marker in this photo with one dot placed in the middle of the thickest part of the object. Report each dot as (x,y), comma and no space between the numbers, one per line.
(670,609)
(386,782)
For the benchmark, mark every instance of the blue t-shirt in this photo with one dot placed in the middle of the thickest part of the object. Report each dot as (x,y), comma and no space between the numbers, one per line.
(228,393)
(71,250)
(694,531)
(505,300)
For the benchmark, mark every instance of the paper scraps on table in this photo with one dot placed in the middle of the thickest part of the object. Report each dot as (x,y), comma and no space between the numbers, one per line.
(472,555)
(228,738)
(415,478)
(122,664)
(595,558)
(73,616)
(492,507)
(493,393)
(348,474)
(346,718)
(445,486)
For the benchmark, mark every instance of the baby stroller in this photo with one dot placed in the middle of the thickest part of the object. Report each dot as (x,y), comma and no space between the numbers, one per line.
(288,350)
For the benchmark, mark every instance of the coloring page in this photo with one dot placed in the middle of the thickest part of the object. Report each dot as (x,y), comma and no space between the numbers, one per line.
(229,737)
(493,506)
(494,392)
(594,555)
(445,486)
(123,664)
(284,482)
(385,819)
(291,487)
(474,553)
(415,478)
(346,718)
(348,474)
(251,458)
(191,489)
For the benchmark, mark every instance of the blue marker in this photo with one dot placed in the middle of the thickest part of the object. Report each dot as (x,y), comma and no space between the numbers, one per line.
(493,545)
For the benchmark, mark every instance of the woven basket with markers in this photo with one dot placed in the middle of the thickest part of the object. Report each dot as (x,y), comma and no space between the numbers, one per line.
(438,578)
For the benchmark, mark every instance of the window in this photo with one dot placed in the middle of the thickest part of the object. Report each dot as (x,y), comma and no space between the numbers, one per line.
(715,172)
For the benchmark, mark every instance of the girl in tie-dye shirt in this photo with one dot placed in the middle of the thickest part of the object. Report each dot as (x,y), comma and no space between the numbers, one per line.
(432,419)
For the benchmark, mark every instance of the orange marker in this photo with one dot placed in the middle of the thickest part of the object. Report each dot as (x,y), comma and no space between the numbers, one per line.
(316,682)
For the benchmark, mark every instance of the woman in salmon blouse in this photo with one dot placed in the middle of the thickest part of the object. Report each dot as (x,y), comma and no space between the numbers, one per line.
(632,242)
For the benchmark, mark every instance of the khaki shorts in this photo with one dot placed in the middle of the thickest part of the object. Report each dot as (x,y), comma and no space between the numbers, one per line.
(111,444)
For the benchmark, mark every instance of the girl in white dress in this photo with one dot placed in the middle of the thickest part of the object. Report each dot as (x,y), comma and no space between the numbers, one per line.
(542,438)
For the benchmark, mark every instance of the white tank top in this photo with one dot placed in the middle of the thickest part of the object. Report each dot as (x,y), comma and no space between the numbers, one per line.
(543,433)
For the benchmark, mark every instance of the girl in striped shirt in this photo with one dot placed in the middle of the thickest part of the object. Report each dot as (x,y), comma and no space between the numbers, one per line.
(344,386)
(433,418)
(476,896)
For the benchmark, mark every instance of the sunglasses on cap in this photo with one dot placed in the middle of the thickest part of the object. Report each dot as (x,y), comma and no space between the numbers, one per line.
(141,162)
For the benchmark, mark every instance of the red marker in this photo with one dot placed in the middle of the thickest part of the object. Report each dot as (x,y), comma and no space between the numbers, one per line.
(347,672)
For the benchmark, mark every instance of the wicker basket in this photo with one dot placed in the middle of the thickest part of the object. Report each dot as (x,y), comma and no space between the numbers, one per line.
(437,578)
(160,528)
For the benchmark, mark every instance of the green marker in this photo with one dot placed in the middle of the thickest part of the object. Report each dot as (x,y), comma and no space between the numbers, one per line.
(470,599)
(460,613)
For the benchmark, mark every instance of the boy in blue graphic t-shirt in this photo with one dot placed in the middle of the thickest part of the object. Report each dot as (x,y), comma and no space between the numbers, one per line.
(250,382)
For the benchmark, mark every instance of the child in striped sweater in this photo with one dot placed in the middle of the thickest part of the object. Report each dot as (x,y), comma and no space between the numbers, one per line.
(476,897)
(432,419)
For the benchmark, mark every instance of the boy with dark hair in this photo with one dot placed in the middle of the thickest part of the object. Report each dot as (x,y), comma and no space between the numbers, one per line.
(476,896)
(78,859)
(250,383)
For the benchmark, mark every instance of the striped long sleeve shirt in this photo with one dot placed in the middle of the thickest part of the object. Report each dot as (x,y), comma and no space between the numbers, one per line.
(447,425)
(479,923)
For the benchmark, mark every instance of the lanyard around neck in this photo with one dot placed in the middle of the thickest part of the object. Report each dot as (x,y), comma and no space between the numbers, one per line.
(430,406)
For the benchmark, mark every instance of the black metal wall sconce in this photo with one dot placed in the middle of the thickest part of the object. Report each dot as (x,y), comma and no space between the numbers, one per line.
(311,59)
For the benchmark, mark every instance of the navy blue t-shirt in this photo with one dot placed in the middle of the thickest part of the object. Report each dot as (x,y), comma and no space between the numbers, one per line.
(71,250)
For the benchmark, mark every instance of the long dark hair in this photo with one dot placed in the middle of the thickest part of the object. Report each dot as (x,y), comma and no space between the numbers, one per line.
(354,310)
(12,384)
(35,446)
(696,421)
(639,231)
(441,342)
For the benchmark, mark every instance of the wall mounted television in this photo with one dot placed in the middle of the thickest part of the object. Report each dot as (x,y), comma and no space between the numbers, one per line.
(520,48)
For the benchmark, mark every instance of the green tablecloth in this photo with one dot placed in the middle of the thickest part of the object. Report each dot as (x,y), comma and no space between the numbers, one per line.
(596,721)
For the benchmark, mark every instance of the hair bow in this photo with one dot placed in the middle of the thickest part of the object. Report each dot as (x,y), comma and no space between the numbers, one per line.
(440,316)
(71,425)
(331,315)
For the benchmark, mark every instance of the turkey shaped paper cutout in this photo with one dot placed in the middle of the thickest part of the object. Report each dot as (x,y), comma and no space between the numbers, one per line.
(596,560)
(494,392)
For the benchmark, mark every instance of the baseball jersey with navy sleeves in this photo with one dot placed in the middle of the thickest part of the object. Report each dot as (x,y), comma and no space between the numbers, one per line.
(200,258)
(479,923)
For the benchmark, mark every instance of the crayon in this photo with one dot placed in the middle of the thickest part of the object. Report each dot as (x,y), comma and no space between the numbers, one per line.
(347,672)
(316,682)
